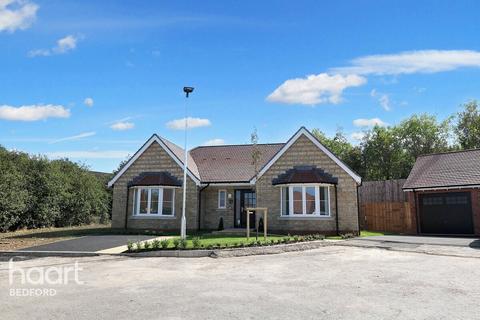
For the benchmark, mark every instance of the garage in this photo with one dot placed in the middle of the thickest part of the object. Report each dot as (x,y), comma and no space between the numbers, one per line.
(446,213)
(443,192)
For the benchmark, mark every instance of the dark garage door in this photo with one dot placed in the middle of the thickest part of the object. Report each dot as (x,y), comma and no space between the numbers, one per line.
(446,213)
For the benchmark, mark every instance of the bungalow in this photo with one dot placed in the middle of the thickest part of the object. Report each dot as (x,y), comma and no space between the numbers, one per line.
(306,188)
(444,193)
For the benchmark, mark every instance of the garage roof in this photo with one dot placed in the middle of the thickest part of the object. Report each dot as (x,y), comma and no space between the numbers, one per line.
(450,169)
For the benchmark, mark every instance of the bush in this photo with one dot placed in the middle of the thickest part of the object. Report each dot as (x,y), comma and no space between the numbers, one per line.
(165,243)
(347,235)
(36,192)
(147,245)
(139,245)
(130,245)
(156,244)
(176,243)
(220,224)
(196,242)
(182,244)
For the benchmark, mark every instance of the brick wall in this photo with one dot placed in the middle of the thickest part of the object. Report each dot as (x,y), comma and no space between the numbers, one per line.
(211,213)
(304,152)
(154,159)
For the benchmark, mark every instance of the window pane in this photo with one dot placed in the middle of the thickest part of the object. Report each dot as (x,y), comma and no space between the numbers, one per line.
(154,201)
(135,195)
(221,199)
(167,205)
(285,201)
(143,200)
(324,201)
(310,199)
(297,200)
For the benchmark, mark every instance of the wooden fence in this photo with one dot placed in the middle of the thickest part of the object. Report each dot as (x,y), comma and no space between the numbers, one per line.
(384,207)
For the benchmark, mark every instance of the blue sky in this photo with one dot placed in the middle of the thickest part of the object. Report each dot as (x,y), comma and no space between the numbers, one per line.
(92,80)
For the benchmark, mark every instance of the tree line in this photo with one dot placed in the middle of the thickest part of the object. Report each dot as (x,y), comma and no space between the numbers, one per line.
(36,192)
(389,152)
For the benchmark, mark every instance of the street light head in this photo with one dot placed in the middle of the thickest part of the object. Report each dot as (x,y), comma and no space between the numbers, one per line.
(187,90)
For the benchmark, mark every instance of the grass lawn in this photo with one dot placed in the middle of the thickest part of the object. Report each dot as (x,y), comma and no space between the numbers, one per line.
(365,233)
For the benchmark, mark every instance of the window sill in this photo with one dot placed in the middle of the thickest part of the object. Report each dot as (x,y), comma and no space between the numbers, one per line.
(306,218)
(152,217)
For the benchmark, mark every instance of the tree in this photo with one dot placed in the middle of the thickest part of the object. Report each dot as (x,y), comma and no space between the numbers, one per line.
(467,127)
(343,149)
(383,154)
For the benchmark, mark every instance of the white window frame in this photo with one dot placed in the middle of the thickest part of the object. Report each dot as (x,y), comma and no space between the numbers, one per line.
(136,201)
(225,203)
(317,212)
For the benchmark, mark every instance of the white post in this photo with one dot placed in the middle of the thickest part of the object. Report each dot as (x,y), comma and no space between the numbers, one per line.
(183,231)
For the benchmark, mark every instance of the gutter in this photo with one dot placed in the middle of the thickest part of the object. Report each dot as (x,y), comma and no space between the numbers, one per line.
(200,203)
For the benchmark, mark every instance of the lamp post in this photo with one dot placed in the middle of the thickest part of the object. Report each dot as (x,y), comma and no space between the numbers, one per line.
(183,231)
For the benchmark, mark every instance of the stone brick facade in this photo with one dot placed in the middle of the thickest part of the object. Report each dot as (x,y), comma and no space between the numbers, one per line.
(302,152)
(154,159)
(305,152)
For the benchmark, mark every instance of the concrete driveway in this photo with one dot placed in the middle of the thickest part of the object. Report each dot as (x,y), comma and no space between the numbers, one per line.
(424,240)
(94,243)
(327,283)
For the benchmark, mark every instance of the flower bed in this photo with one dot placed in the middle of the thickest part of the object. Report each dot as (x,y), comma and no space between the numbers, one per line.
(210,242)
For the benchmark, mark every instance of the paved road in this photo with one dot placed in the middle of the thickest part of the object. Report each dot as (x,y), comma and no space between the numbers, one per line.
(90,243)
(443,241)
(327,283)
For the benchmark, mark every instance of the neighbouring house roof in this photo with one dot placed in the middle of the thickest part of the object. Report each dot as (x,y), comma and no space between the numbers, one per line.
(230,163)
(155,179)
(450,169)
(310,174)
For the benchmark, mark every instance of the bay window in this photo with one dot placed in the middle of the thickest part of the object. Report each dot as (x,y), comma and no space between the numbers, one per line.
(153,201)
(305,200)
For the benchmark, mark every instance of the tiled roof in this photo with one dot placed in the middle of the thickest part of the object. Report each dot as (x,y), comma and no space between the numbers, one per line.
(449,169)
(180,154)
(155,179)
(310,174)
(231,163)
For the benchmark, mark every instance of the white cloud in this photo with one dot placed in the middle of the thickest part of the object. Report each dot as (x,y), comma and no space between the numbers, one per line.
(112,154)
(122,126)
(315,89)
(369,122)
(214,142)
(383,99)
(179,124)
(88,102)
(64,45)
(408,62)
(16,14)
(33,112)
(76,137)
(358,136)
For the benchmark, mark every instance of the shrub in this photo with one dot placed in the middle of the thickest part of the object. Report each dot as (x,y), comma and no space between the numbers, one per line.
(183,244)
(130,245)
(147,245)
(165,243)
(196,242)
(210,246)
(220,224)
(295,238)
(156,244)
(139,245)
(347,235)
(176,243)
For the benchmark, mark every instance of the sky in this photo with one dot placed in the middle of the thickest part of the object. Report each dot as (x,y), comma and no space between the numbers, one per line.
(93,80)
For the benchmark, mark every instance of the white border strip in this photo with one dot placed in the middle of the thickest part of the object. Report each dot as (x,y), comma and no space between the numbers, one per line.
(475,186)
(315,141)
(150,141)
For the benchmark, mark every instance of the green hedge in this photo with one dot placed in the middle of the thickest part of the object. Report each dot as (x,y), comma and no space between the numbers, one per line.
(36,192)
